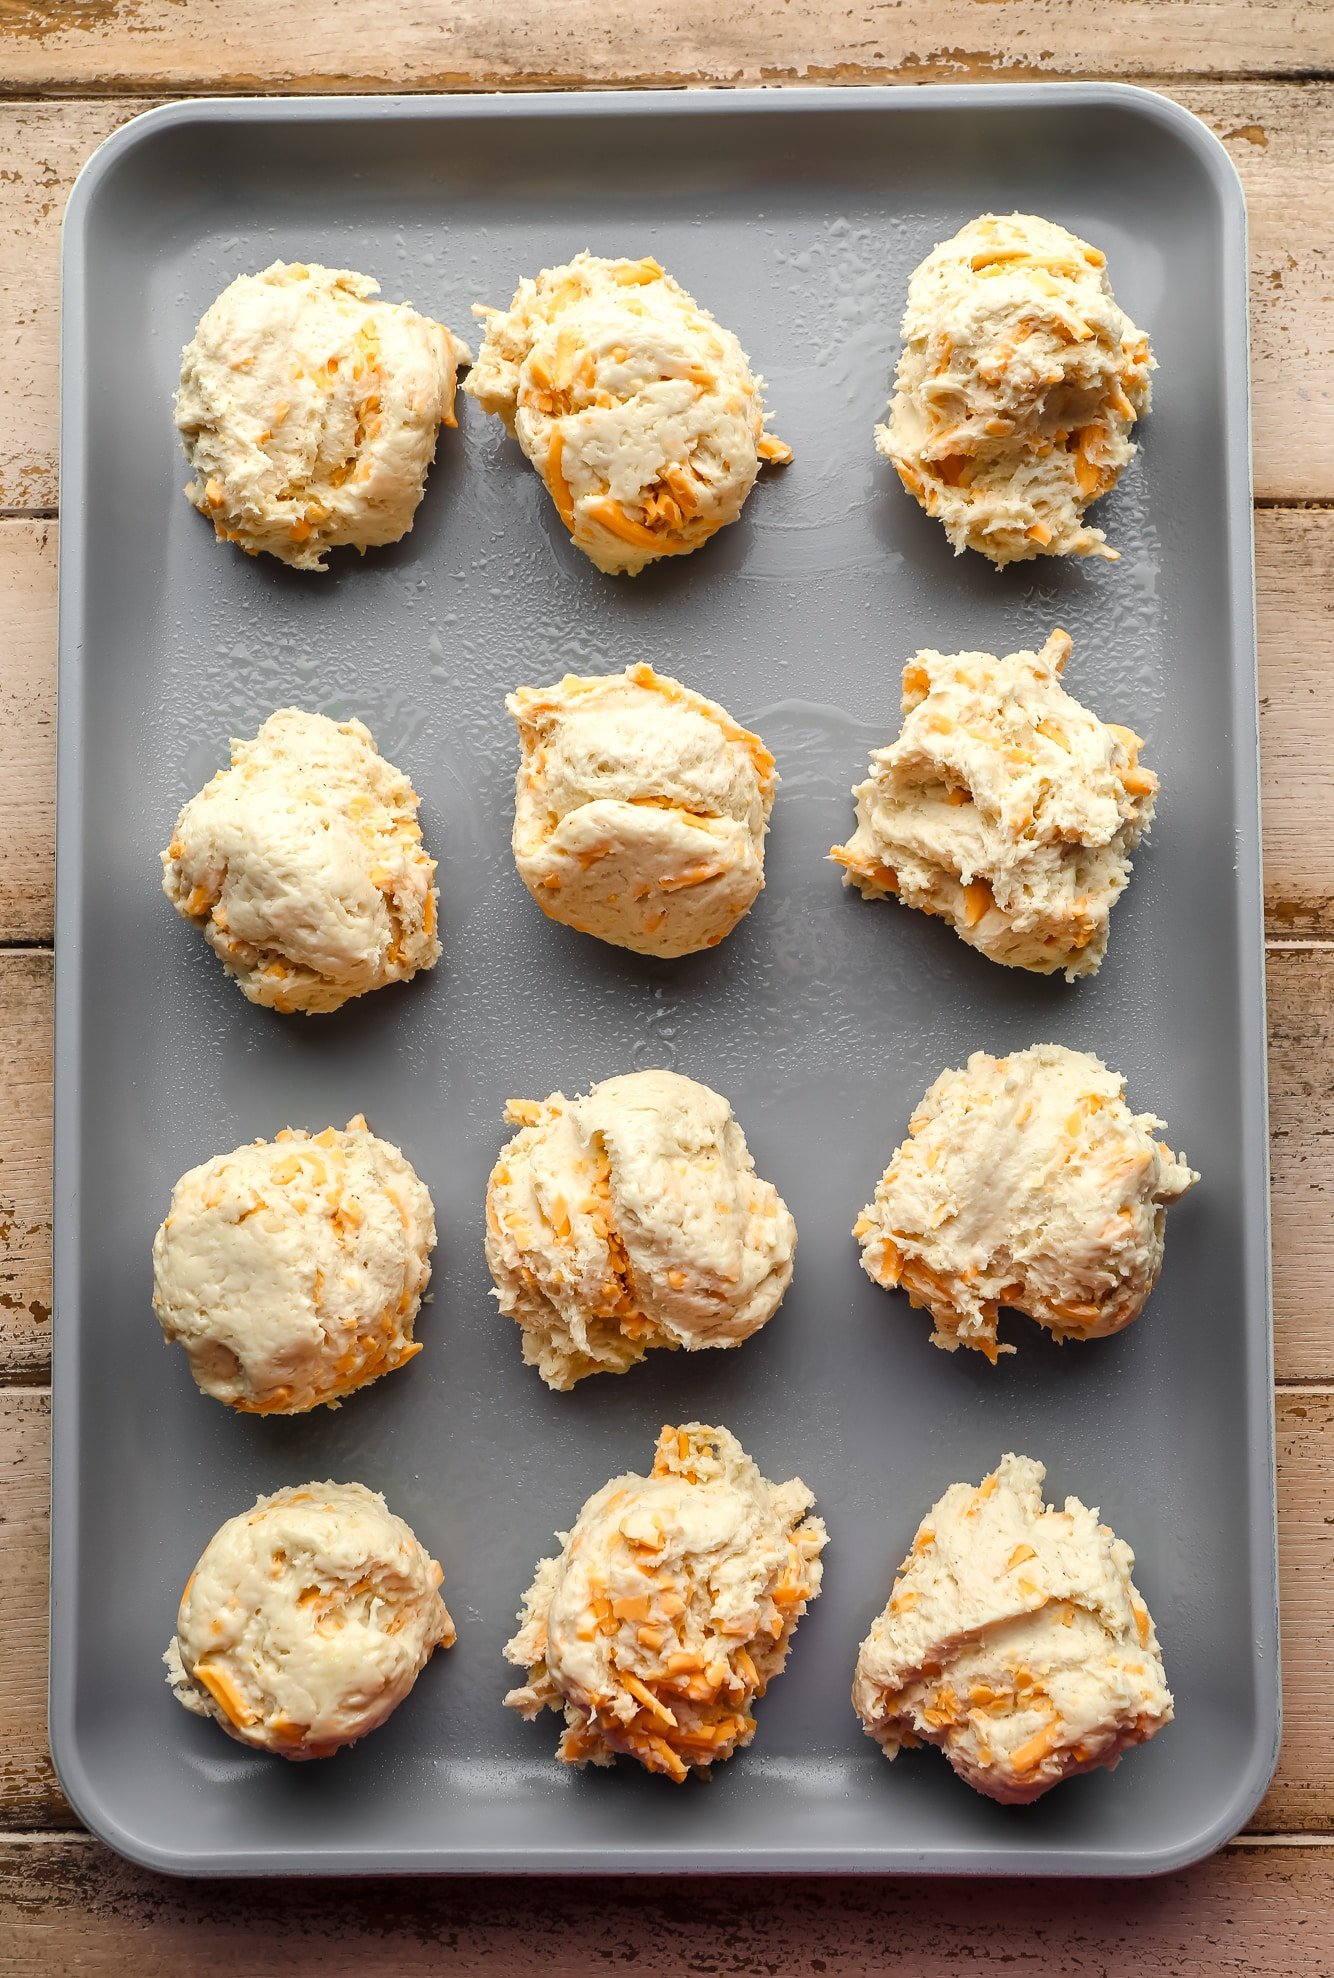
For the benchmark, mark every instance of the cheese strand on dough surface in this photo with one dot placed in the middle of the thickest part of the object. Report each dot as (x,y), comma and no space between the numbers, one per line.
(640,810)
(1018,386)
(1026,1182)
(632,1218)
(670,1608)
(307,1621)
(1005,807)
(309,412)
(640,413)
(1015,1640)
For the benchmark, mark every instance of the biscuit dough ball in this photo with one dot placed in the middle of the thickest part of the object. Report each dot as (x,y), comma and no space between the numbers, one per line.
(309,413)
(632,1218)
(292,1270)
(307,1621)
(1028,1182)
(640,810)
(1018,386)
(638,410)
(670,1608)
(1006,807)
(1015,1640)
(303,866)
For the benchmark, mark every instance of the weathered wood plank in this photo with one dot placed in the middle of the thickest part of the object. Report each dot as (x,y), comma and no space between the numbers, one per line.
(1301,1153)
(30,1794)
(1301,1798)
(25,1170)
(27,730)
(1280,136)
(70,1905)
(238,45)
(1294,566)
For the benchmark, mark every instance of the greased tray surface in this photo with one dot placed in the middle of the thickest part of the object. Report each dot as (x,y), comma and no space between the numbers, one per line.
(796,218)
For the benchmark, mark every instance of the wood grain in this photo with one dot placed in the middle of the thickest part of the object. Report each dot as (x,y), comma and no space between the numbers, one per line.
(68,1905)
(25,1171)
(1301,1798)
(1281,138)
(30,1794)
(28,726)
(237,45)
(1301,1154)
(1294,559)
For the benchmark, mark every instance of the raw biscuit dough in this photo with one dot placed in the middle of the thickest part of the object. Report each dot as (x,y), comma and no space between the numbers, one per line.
(292,1270)
(307,1621)
(309,413)
(670,1608)
(1015,1640)
(640,810)
(303,866)
(632,1218)
(638,410)
(1027,1182)
(1018,386)
(1006,807)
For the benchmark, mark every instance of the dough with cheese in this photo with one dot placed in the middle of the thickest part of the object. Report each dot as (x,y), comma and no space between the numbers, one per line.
(1026,1182)
(303,866)
(640,810)
(292,1270)
(1006,807)
(670,1608)
(1015,1640)
(309,412)
(632,1218)
(638,410)
(1018,387)
(307,1620)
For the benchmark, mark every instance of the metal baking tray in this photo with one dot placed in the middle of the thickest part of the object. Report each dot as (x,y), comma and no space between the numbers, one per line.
(796,217)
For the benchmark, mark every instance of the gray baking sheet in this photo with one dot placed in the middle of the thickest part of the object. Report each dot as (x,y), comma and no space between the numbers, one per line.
(797,218)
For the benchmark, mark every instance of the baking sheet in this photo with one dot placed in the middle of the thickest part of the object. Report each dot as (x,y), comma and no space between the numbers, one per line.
(797,218)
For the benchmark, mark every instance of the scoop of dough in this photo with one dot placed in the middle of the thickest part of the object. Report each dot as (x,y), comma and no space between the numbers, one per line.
(1018,385)
(309,413)
(670,1608)
(640,810)
(292,1270)
(1015,1640)
(1005,807)
(307,1621)
(632,1218)
(1024,1181)
(303,866)
(637,409)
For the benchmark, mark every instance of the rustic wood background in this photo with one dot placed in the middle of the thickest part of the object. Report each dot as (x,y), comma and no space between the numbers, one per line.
(1261,73)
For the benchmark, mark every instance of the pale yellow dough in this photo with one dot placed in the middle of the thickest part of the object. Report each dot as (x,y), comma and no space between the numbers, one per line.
(292,1270)
(1018,386)
(640,810)
(1026,1182)
(638,410)
(302,865)
(1015,1640)
(1006,807)
(307,1620)
(309,412)
(632,1218)
(670,1608)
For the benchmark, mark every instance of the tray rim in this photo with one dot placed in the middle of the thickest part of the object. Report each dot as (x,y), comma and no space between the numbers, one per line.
(823,99)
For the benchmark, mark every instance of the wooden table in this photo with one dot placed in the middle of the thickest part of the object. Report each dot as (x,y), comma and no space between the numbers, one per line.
(1261,73)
